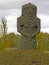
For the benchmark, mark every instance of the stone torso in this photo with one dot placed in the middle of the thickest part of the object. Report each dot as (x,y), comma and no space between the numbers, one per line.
(29,26)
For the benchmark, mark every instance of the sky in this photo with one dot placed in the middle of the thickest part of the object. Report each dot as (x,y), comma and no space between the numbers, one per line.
(11,10)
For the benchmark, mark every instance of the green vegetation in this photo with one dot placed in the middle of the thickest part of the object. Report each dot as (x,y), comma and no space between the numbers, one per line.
(11,41)
(43,41)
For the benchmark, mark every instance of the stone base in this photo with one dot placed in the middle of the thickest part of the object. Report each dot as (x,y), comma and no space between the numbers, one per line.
(31,45)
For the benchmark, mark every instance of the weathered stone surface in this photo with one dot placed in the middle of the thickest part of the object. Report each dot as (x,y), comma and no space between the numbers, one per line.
(28,25)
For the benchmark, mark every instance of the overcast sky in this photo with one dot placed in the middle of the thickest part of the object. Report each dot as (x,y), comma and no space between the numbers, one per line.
(11,9)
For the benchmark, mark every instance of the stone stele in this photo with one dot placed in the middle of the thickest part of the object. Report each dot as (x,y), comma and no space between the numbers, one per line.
(28,24)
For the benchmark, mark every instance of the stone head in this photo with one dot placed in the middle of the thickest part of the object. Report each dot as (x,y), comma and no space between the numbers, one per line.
(29,10)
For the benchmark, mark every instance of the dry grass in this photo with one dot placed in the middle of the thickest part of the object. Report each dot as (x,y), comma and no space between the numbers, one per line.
(23,57)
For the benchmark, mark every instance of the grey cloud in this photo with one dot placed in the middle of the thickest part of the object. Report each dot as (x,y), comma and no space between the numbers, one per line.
(3,12)
(43,5)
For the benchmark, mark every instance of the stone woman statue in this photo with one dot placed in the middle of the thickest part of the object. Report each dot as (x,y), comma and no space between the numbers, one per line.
(28,25)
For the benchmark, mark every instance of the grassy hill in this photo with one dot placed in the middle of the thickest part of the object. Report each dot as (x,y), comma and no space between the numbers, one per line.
(23,57)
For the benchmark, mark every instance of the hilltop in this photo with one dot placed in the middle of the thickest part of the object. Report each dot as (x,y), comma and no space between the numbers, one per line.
(23,57)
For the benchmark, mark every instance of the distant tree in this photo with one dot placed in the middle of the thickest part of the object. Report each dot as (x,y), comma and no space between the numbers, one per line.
(14,39)
(11,40)
(43,41)
(4,29)
(4,26)
(0,30)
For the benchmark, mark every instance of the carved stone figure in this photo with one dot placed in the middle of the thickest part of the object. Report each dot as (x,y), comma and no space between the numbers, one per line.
(29,26)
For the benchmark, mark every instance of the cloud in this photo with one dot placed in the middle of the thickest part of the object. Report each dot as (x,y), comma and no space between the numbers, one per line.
(42,5)
(7,6)
(6,12)
(12,23)
(44,20)
(45,30)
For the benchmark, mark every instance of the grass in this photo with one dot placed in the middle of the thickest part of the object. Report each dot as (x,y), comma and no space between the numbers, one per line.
(23,57)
